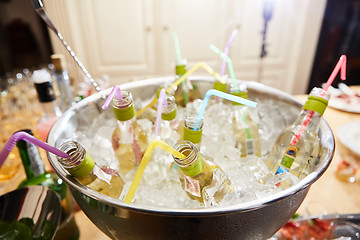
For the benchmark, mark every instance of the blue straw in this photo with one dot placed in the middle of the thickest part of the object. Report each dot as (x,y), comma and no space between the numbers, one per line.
(222,95)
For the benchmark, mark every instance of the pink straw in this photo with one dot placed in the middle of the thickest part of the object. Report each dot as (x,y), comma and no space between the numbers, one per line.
(116,89)
(27,137)
(340,65)
(226,50)
(161,103)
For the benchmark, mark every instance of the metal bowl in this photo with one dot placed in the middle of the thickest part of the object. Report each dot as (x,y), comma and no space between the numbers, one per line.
(258,219)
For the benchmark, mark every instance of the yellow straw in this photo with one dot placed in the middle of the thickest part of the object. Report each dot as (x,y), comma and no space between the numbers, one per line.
(138,113)
(144,161)
(193,69)
(177,82)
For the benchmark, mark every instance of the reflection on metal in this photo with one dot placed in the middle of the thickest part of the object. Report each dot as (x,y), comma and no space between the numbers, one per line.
(34,203)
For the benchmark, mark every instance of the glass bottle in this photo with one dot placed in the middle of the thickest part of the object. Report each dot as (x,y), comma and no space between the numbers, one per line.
(63,81)
(80,165)
(36,175)
(246,131)
(185,94)
(171,125)
(297,147)
(50,111)
(190,134)
(129,140)
(202,179)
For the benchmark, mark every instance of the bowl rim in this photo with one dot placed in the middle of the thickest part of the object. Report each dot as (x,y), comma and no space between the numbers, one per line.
(219,210)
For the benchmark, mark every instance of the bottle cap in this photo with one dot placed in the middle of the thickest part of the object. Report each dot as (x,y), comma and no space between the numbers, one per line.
(84,168)
(124,114)
(192,136)
(180,70)
(220,86)
(239,94)
(58,61)
(317,104)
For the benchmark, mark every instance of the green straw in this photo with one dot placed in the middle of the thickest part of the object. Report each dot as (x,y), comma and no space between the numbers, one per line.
(229,63)
(178,57)
(177,48)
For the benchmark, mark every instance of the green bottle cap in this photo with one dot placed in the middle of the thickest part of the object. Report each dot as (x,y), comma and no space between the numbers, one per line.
(194,169)
(239,94)
(84,168)
(169,116)
(180,70)
(124,114)
(192,136)
(317,104)
(220,86)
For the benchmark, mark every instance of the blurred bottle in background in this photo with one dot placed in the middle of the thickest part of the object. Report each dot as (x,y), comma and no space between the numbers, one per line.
(50,111)
(63,81)
(19,108)
(36,175)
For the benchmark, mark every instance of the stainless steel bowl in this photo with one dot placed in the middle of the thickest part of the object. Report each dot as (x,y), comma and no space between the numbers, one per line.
(258,219)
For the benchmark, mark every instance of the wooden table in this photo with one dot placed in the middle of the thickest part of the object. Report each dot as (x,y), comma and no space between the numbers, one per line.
(326,195)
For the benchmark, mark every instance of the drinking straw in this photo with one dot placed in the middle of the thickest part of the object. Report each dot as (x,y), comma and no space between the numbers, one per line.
(178,57)
(144,161)
(226,50)
(222,95)
(230,65)
(177,48)
(177,82)
(161,102)
(340,65)
(116,89)
(193,69)
(31,139)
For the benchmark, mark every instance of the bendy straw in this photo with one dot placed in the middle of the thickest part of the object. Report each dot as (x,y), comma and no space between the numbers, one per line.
(193,69)
(177,48)
(230,66)
(222,95)
(340,65)
(177,82)
(226,50)
(144,161)
(31,139)
(161,103)
(116,90)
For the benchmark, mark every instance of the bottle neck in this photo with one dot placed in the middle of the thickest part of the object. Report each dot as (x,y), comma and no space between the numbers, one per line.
(313,118)
(63,81)
(33,165)
(79,164)
(193,164)
(50,109)
(190,134)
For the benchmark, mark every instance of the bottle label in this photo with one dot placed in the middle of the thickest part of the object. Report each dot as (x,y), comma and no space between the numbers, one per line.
(36,164)
(192,186)
(287,160)
(249,143)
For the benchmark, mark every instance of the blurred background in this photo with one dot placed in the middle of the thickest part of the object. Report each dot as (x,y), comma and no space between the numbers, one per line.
(288,44)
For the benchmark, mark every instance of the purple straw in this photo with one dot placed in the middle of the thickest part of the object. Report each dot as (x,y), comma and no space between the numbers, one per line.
(116,89)
(161,103)
(27,137)
(226,50)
